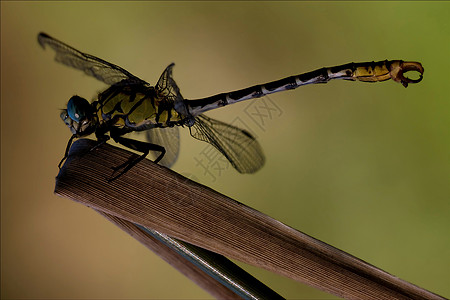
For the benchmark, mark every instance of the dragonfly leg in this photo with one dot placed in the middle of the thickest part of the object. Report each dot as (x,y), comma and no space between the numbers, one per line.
(66,153)
(101,139)
(143,147)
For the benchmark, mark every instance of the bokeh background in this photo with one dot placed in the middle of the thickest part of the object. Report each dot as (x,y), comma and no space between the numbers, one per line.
(363,167)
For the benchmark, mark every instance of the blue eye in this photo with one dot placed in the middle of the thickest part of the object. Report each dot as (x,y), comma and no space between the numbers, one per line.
(78,108)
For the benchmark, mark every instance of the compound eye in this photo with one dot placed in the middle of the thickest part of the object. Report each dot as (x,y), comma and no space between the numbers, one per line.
(78,108)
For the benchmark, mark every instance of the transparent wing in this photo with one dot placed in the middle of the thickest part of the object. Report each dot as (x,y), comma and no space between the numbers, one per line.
(89,64)
(166,88)
(169,138)
(237,145)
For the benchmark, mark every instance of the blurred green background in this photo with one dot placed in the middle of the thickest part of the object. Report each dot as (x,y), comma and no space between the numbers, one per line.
(364,167)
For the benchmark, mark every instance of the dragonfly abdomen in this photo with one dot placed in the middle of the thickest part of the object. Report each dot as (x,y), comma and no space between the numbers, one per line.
(367,72)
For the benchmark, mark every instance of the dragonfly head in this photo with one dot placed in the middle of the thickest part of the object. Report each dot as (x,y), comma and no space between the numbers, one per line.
(79,116)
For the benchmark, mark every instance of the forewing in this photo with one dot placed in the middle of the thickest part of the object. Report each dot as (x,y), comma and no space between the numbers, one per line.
(240,148)
(169,138)
(89,64)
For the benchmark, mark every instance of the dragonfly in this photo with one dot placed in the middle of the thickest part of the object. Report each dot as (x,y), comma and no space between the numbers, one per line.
(131,104)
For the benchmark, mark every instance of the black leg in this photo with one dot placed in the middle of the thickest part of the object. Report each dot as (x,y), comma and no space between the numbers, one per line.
(69,143)
(143,147)
(101,139)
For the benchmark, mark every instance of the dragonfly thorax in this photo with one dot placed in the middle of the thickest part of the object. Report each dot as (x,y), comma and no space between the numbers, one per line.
(79,116)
